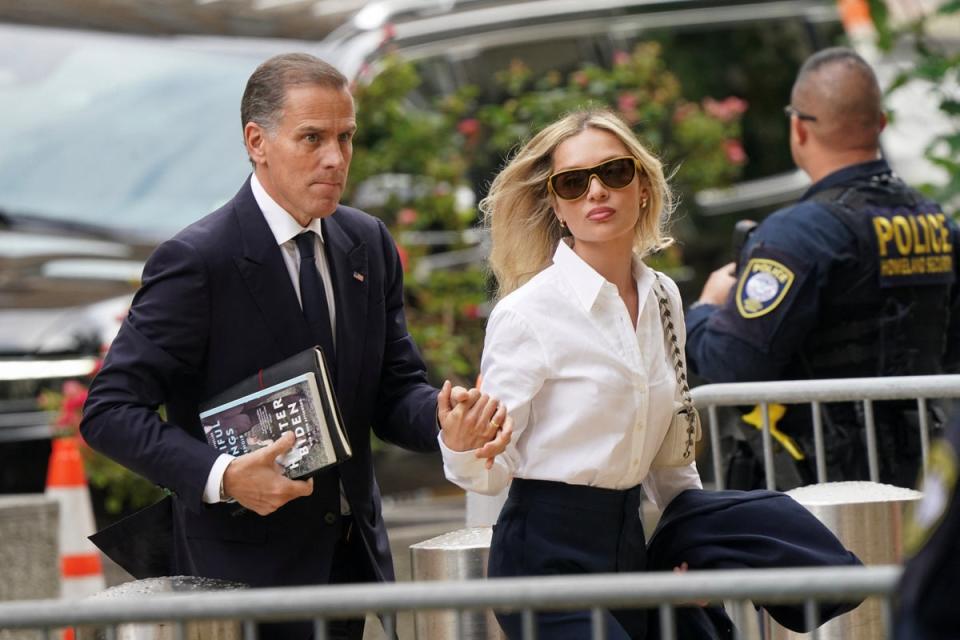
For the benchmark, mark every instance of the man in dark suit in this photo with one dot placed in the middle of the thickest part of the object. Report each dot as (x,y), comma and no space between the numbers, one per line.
(279,268)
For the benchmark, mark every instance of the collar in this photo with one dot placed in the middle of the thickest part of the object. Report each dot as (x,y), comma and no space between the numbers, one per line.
(283,225)
(842,176)
(587,283)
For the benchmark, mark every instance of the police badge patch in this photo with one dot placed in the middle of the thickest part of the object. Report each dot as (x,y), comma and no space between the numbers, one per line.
(939,485)
(763,285)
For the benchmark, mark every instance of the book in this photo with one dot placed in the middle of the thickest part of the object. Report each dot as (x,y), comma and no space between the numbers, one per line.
(294,395)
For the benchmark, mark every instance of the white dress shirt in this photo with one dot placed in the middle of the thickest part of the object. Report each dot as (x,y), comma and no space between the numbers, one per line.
(285,230)
(590,396)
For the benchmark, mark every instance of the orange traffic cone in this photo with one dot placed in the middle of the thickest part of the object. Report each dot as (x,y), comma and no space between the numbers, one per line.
(81,571)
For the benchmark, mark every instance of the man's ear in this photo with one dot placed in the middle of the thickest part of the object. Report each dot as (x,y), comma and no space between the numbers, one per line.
(254,138)
(800,131)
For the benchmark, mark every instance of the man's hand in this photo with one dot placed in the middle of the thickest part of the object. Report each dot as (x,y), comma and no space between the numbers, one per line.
(718,286)
(473,420)
(256,481)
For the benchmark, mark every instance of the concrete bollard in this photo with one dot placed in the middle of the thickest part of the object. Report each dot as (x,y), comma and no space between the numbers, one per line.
(458,555)
(194,630)
(29,552)
(868,517)
(29,549)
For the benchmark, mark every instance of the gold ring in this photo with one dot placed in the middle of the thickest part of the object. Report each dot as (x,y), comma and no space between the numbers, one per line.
(494,424)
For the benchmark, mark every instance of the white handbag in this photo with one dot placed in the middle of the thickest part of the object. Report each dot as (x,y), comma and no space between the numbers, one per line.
(678,448)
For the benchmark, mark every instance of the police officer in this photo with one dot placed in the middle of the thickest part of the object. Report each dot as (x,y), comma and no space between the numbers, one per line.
(856,279)
(929,590)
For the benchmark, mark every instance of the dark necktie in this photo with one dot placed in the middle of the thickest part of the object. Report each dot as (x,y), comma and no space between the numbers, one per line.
(313,297)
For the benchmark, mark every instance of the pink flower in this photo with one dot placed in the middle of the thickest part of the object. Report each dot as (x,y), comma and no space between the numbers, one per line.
(469,128)
(404,258)
(737,104)
(388,33)
(684,111)
(626,102)
(734,152)
(471,311)
(621,58)
(627,106)
(581,79)
(407,216)
(724,110)
(74,395)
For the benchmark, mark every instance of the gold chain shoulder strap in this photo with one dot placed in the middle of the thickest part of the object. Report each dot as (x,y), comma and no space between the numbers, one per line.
(679,364)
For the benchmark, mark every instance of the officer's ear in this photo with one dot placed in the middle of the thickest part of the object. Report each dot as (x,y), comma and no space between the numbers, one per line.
(800,131)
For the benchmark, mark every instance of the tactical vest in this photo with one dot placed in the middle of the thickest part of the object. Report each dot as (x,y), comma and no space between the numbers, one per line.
(885,311)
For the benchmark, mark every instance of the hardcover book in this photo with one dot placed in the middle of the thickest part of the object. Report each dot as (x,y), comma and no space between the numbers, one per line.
(294,395)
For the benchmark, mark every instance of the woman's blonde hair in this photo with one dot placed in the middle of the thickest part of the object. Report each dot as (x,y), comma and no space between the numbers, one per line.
(524,231)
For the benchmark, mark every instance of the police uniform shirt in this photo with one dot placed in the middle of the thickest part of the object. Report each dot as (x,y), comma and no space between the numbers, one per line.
(784,268)
(590,396)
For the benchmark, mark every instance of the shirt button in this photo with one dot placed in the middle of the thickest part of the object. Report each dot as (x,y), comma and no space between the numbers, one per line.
(330,517)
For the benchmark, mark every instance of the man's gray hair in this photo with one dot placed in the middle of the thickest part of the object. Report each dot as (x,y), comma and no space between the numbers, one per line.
(263,98)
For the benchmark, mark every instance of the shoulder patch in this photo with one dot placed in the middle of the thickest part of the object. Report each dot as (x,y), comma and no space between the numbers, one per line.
(763,285)
(939,485)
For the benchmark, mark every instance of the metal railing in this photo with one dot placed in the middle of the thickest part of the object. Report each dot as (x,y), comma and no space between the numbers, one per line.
(815,392)
(598,592)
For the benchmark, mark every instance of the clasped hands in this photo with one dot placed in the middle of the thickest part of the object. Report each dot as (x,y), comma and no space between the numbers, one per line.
(471,420)
(468,419)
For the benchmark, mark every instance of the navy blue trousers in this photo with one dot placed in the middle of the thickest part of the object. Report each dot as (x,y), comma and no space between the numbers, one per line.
(553,528)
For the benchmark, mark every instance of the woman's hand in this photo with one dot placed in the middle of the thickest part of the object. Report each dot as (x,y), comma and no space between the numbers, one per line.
(683,569)
(470,420)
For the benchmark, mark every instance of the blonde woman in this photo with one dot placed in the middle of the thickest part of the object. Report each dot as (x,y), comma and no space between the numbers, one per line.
(576,351)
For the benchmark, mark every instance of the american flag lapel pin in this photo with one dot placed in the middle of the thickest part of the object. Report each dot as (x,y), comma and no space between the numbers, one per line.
(358,276)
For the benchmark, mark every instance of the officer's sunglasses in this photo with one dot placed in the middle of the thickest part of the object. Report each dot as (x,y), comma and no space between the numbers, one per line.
(790,110)
(573,183)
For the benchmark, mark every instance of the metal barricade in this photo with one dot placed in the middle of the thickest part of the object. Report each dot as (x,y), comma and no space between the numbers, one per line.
(815,393)
(658,591)
(483,510)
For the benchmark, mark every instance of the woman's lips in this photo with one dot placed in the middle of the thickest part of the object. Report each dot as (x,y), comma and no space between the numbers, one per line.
(599,214)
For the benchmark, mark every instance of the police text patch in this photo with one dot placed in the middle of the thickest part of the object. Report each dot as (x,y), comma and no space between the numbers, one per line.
(914,246)
(763,285)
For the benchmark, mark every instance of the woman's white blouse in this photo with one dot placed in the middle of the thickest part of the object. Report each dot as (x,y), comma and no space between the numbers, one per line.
(591,398)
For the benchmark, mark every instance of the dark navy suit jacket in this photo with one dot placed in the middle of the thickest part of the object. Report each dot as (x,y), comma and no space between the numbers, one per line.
(217,305)
(743,530)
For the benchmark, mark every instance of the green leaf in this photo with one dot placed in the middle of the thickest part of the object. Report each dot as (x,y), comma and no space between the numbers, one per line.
(950,106)
(881,20)
(949,7)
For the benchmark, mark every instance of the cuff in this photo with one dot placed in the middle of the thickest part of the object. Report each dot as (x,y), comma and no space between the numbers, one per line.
(211,492)
(697,313)
(461,467)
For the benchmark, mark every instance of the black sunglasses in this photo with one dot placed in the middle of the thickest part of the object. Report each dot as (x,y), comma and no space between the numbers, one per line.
(573,183)
(789,110)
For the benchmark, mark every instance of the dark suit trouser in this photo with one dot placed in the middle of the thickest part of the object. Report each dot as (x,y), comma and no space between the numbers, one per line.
(350,565)
(551,528)
(349,562)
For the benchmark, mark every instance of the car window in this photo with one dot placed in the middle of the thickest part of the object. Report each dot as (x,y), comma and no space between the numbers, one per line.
(129,133)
